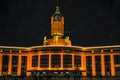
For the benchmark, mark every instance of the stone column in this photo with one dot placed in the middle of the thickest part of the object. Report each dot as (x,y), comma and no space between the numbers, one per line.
(29,62)
(61,60)
(19,65)
(83,60)
(102,65)
(50,61)
(73,67)
(0,64)
(10,65)
(39,60)
(112,65)
(93,66)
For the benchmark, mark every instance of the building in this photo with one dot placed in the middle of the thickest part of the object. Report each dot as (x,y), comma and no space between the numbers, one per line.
(58,56)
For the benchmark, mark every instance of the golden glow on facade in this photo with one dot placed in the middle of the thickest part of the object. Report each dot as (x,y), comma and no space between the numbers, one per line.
(58,54)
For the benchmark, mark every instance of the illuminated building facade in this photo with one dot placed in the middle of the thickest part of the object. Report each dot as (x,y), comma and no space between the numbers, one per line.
(58,56)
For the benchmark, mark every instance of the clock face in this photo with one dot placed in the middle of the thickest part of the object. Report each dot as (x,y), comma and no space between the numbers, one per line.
(57,17)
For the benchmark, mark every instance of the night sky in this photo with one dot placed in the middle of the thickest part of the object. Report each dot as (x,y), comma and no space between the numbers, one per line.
(87,22)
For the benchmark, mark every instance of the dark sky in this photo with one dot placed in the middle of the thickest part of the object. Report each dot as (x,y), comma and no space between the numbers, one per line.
(87,22)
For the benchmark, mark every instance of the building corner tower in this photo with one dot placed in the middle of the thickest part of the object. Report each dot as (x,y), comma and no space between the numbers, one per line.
(57,30)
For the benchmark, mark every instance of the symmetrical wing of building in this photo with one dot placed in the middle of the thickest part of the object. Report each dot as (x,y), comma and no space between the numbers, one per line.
(58,56)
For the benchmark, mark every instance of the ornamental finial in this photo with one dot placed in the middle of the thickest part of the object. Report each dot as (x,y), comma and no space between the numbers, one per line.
(57,10)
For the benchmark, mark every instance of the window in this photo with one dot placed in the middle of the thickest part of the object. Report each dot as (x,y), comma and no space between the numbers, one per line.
(24,60)
(67,61)
(117,65)
(5,62)
(55,61)
(14,60)
(44,61)
(98,65)
(14,64)
(34,61)
(107,65)
(24,65)
(77,61)
(117,59)
(89,65)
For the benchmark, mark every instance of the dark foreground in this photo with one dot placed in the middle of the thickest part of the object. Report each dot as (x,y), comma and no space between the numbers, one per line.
(62,78)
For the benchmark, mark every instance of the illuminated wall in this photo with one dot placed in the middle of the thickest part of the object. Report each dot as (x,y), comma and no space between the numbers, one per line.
(88,62)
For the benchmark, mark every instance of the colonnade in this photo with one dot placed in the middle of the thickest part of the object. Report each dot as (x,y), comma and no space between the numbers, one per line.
(83,63)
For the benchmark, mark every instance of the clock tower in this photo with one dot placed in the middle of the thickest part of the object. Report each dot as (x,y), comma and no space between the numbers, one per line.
(57,23)
(57,30)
